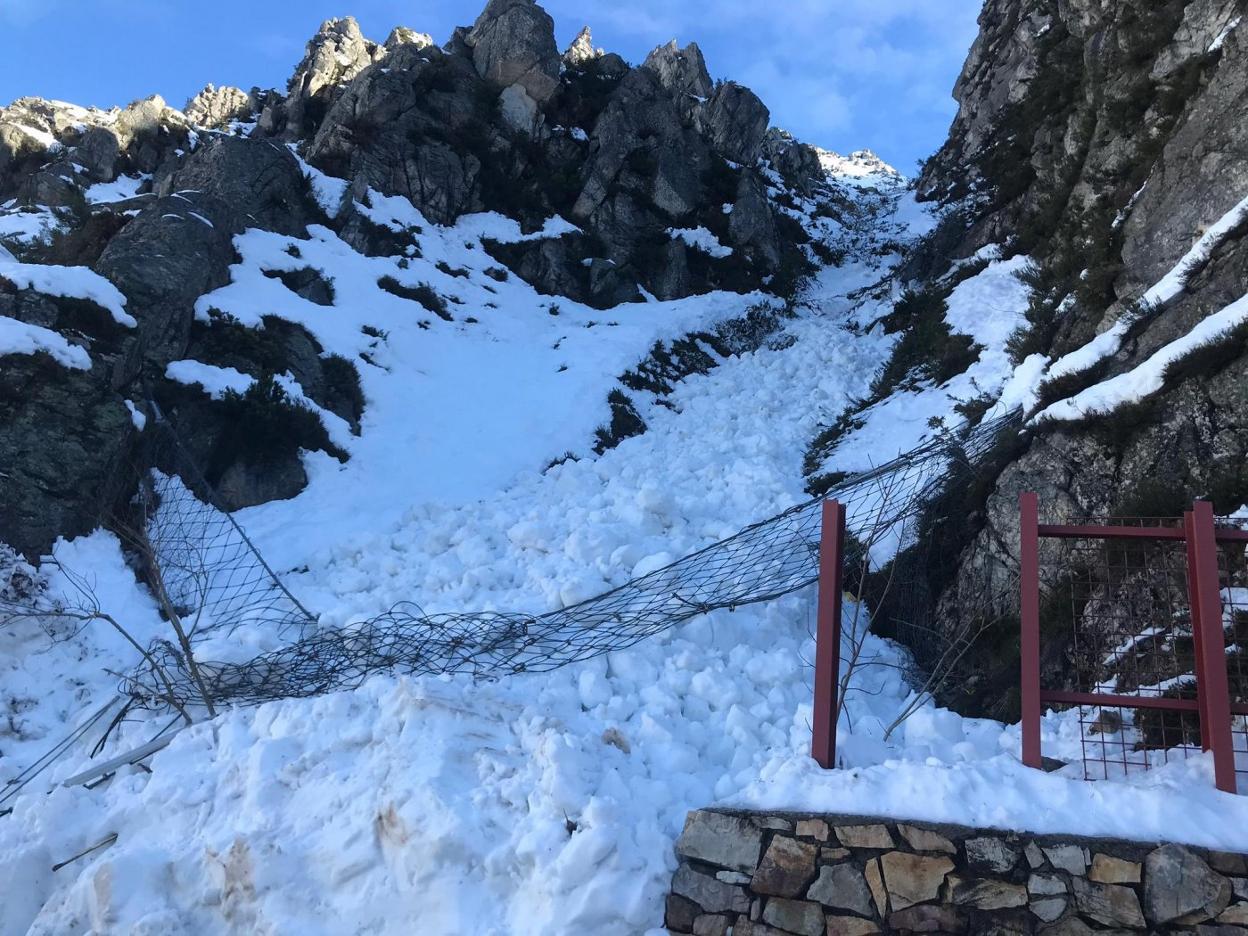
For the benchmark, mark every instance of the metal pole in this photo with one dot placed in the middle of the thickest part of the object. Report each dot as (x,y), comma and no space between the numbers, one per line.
(1193,600)
(828,633)
(1029,613)
(1213,694)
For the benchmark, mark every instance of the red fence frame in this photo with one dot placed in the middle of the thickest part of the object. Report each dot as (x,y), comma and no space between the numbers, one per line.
(1212,702)
(828,633)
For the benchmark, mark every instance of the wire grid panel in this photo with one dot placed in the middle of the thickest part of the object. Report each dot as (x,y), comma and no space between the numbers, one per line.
(1120,611)
(1233,587)
(763,562)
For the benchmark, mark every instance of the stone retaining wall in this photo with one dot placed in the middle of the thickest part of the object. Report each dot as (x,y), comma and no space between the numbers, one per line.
(752,874)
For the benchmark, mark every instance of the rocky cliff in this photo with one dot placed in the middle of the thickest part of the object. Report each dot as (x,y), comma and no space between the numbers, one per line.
(138,208)
(1107,142)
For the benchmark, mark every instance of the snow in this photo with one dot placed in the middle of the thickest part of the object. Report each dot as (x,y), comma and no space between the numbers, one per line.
(137,417)
(1164,290)
(69,283)
(468,404)
(27,226)
(1148,377)
(700,238)
(214,381)
(988,307)
(327,190)
(119,189)
(18,337)
(544,803)
(1220,39)
(861,168)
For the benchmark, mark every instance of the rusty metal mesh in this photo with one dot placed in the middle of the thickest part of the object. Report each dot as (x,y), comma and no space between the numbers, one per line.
(1117,620)
(218,567)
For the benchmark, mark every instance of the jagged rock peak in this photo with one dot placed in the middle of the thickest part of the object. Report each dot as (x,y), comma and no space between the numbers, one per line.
(215,107)
(401,35)
(513,42)
(582,49)
(335,54)
(681,71)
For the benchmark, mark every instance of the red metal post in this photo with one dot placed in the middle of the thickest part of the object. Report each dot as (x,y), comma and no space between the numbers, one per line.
(1205,593)
(828,633)
(1193,599)
(1029,612)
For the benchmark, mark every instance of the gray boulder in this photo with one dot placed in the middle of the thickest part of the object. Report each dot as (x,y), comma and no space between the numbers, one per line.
(64,432)
(165,259)
(640,141)
(513,42)
(97,152)
(258,181)
(752,223)
(798,163)
(1202,173)
(735,121)
(1180,887)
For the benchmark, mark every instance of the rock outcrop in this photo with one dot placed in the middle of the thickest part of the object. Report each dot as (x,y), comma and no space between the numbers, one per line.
(513,42)
(495,120)
(1102,141)
(217,107)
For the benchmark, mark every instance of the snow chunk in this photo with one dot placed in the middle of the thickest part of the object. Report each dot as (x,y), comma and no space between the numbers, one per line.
(26,226)
(22,338)
(68,283)
(700,238)
(492,225)
(391,211)
(215,381)
(137,417)
(119,189)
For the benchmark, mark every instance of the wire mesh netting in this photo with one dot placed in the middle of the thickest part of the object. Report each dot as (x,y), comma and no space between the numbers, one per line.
(1119,613)
(1117,620)
(1233,580)
(221,581)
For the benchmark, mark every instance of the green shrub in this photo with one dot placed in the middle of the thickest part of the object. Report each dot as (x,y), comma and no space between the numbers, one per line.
(449,270)
(422,293)
(1209,358)
(343,392)
(928,350)
(625,423)
(263,426)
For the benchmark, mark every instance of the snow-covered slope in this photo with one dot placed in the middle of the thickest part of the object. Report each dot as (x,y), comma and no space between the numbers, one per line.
(540,803)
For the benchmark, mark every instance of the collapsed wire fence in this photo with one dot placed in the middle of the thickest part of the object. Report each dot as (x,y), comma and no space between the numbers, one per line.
(219,580)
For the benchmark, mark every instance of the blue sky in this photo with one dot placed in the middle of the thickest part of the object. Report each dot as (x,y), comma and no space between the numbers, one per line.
(843,74)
